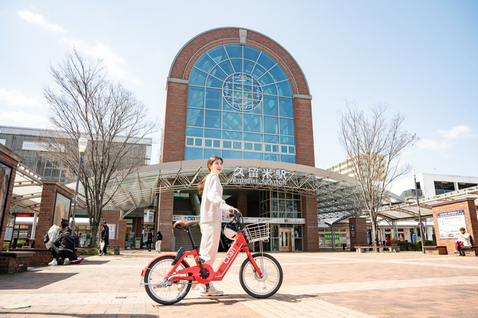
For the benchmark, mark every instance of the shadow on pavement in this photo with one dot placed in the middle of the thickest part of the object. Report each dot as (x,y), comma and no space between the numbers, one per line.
(92,262)
(33,280)
(46,314)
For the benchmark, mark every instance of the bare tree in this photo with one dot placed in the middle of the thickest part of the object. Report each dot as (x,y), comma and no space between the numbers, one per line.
(373,148)
(87,104)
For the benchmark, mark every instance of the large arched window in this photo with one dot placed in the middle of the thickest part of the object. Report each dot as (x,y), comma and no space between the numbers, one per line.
(239,106)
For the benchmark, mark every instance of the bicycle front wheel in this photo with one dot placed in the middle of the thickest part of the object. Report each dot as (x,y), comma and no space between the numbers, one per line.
(159,288)
(268,284)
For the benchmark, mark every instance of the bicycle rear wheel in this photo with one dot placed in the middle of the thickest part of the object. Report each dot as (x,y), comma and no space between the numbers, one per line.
(159,288)
(268,284)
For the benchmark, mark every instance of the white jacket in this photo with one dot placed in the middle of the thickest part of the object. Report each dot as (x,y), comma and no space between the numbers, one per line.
(212,202)
(52,234)
(465,238)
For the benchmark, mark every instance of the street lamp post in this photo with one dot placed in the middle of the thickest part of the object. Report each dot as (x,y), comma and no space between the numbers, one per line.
(422,237)
(82,142)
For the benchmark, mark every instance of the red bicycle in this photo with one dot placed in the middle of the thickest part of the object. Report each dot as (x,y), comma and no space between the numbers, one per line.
(168,278)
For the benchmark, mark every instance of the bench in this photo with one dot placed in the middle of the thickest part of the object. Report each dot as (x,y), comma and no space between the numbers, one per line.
(470,250)
(391,248)
(440,250)
(14,262)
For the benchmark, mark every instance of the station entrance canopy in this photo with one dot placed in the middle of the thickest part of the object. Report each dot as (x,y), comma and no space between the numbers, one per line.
(333,191)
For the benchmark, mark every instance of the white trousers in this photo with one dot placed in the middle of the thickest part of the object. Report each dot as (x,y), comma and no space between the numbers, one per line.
(158,246)
(211,235)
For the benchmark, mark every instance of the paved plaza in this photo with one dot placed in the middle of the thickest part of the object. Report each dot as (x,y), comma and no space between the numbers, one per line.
(324,284)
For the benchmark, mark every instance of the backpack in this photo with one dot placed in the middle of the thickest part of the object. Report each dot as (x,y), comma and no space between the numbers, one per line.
(46,238)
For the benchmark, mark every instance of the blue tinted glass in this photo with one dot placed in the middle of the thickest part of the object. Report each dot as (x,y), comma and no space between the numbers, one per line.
(196,96)
(266,61)
(232,135)
(270,89)
(236,145)
(270,105)
(237,63)
(226,106)
(226,144)
(231,154)
(252,155)
(287,158)
(227,67)
(198,142)
(218,72)
(267,147)
(216,143)
(195,117)
(212,133)
(271,157)
(291,149)
(205,63)
(284,149)
(193,153)
(287,126)
(266,79)
(248,66)
(287,140)
(253,137)
(284,88)
(258,147)
(208,153)
(208,143)
(286,107)
(218,54)
(251,53)
(197,77)
(271,125)
(232,121)
(252,123)
(273,139)
(258,71)
(234,50)
(196,132)
(213,98)
(213,119)
(190,141)
(277,73)
(257,110)
(275,148)
(213,82)
(247,146)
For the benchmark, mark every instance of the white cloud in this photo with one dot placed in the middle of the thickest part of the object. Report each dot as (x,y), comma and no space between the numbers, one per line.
(16,98)
(36,18)
(432,144)
(21,118)
(102,51)
(457,132)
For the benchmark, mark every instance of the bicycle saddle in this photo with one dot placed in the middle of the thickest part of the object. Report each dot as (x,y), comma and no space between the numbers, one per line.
(181,224)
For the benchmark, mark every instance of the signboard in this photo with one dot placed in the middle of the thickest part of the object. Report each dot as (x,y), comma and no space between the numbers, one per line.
(328,237)
(449,223)
(197,218)
(62,208)
(264,176)
(42,146)
(112,231)
(9,228)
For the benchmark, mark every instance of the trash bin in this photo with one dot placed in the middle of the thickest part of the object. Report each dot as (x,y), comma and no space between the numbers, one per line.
(117,250)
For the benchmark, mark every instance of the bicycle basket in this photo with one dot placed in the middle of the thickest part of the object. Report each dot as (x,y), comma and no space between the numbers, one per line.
(256,232)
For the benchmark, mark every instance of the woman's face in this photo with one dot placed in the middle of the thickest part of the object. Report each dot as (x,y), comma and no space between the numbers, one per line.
(216,166)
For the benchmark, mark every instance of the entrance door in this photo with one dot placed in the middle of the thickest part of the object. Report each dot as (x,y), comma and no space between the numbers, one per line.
(286,239)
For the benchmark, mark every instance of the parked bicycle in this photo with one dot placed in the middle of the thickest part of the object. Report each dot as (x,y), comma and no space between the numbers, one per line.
(168,278)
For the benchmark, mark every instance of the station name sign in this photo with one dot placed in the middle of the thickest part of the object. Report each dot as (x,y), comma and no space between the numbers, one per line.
(262,176)
(247,220)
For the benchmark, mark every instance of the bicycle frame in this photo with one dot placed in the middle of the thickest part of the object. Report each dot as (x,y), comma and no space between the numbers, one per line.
(193,273)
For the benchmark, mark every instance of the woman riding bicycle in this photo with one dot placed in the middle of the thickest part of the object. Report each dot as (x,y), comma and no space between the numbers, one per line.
(213,207)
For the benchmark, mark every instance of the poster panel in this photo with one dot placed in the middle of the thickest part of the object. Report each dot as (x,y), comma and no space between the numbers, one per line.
(449,223)
(62,209)
(5,176)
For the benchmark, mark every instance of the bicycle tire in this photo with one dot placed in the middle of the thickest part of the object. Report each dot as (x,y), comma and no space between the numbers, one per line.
(263,287)
(155,274)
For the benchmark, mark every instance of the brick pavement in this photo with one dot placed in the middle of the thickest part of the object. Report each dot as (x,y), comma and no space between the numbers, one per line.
(324,284)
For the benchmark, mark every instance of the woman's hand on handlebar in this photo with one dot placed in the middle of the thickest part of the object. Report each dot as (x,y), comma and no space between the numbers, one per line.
(232,212)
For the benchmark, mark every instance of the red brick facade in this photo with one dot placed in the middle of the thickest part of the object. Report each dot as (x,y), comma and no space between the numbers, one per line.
(311,228)
(113,217)
(469,208)
(358,235)
(165,218)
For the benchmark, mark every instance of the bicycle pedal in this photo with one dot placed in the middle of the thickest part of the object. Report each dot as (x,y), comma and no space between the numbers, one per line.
(199,260)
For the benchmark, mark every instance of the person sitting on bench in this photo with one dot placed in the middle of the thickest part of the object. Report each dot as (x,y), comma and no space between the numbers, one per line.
(464,239)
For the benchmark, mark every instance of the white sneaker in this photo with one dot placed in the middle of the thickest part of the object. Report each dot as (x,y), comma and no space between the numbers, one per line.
(67,261)
(456,251)
(53,262)
(211,292)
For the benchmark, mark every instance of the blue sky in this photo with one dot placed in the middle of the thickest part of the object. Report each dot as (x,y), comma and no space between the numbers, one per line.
(420,57)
